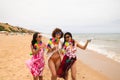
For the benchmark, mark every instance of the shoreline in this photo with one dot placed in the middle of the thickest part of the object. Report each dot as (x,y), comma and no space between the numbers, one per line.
(15,51)
(100,63)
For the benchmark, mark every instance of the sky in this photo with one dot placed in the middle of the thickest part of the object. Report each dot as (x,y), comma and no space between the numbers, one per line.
(76,16)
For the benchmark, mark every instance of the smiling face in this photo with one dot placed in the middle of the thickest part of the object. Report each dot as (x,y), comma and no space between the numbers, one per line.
(58,35)
(39,37)
(68,37)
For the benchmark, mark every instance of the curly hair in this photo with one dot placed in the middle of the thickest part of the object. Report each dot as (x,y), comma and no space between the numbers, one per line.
(55,31)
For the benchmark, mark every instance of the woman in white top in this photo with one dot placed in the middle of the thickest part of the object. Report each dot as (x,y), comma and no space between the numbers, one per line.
(54,45)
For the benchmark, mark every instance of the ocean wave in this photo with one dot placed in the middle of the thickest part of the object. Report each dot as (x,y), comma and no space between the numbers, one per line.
(107,52)
(104,50)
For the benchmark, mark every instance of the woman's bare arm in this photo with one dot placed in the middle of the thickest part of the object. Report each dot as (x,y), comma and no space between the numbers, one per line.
(35,51)
(83,47)
(51,49)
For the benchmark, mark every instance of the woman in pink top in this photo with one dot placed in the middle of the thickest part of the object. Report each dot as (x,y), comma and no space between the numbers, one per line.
(36,63)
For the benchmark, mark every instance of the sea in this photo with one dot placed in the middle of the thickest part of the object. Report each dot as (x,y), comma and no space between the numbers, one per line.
(107,44)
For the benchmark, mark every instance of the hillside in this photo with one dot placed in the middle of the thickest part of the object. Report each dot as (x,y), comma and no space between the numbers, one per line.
(9,28)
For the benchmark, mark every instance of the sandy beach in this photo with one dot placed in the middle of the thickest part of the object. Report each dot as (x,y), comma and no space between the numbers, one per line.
(15,49)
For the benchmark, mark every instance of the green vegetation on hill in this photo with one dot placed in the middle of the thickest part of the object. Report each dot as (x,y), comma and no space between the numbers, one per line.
(2,28)
(9,28)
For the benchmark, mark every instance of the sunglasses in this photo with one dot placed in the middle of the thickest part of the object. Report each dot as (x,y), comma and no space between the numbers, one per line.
(67,36)
(58,33)
(39,36)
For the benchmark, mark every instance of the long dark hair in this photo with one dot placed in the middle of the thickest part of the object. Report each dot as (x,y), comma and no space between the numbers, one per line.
(34,38)
(68,33)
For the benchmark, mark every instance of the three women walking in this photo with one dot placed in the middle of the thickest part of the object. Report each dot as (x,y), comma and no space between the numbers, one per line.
(61,56)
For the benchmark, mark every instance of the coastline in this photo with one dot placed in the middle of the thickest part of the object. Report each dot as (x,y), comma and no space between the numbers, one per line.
(15,51)
(100,63)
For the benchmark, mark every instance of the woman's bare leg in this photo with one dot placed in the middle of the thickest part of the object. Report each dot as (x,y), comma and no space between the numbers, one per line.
(52,69)
(35,78)
(73,71)
(66,76)
(57,64)
(40,77)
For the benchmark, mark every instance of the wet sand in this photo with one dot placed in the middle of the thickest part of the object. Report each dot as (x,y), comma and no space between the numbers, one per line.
(15,49)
